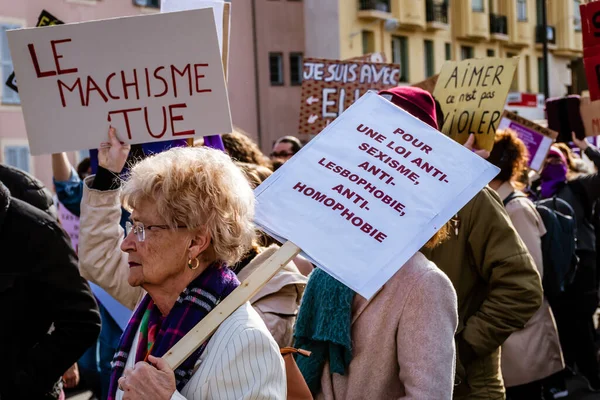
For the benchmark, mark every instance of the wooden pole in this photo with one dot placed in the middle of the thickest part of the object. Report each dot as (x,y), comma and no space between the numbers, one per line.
(205,328)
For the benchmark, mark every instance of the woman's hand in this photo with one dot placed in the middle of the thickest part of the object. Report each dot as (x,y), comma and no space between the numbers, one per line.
(147,382)
(470,144)
(71,377)
(582,144)
(112,155)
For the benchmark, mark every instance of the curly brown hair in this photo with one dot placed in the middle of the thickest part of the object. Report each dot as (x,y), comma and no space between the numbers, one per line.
(243,149)
(510,155)
(256,174)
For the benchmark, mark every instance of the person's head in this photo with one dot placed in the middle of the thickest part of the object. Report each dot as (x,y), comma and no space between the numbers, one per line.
(570,157)
(243,149)
(554,173)
(26,187)
(510,155)
(417,102)
(84,168)
(285,148)
(196,208)
(255,174)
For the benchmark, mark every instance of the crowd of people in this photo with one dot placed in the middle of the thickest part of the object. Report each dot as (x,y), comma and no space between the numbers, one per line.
(500,303)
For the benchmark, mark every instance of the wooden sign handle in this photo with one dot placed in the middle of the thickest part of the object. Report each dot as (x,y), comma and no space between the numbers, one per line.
(205,328)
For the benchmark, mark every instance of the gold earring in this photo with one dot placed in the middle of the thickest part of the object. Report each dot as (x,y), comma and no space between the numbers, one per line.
(195,266)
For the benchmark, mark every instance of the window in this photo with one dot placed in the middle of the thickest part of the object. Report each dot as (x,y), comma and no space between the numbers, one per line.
(296,68)
(477,6)
(541,75)
(466,52)
(429,58)
(9,96)
(448,48)
(491,53)
(577,15)
(147,3)
(400,55)
(17,156)
(521,10)
(276,69)
(368,42)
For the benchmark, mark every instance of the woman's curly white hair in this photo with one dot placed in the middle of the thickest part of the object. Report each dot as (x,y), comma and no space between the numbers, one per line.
(200,188)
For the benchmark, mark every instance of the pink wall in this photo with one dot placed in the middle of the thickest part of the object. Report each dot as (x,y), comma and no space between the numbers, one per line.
(280,28)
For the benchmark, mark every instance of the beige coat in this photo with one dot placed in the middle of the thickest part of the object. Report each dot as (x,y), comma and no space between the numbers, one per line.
(534,352)
(403,339)
(103,263)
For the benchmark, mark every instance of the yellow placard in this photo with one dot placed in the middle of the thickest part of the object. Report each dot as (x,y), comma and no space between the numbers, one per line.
(472,94)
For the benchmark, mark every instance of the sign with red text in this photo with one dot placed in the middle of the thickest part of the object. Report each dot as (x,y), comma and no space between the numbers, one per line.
(150,84)
(472,94)
(536,138)
(368,192)
(590,30)
(329,87)
(590,115)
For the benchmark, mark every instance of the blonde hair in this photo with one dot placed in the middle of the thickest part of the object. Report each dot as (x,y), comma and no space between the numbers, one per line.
(200,188)
(255,174)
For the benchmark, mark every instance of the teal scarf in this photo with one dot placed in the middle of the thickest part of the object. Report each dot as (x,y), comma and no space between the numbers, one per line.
(323,327)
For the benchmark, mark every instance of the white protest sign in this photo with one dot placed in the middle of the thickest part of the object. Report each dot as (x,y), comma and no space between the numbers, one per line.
(369,191)
(150,84)
(217,6)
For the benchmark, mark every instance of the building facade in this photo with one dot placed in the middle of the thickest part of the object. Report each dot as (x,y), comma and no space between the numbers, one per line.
(264,73)
(421,35)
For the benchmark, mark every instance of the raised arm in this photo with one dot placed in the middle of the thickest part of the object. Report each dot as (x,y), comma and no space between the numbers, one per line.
(100,235)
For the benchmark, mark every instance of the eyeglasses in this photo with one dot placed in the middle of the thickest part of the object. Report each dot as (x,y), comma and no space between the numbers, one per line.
(139,229)
(282,154)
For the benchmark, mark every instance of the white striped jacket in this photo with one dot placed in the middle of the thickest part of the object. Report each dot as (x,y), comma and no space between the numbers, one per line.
(241,361)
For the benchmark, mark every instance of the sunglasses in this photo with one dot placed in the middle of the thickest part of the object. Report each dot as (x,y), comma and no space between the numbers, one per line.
(281,154)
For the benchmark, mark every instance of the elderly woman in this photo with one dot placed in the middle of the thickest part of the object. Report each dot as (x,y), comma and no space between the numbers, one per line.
(533,353)
(191,214)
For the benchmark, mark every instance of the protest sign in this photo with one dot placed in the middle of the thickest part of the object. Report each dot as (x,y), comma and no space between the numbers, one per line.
(329,87)
(472,94)
(75,80)
(70,224)
(590,29)
(590,115)
(45,19)
(368,192)
(537,139)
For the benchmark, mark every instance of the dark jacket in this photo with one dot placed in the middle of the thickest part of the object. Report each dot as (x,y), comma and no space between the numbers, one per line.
(49,315)
(498,288)
(27,188)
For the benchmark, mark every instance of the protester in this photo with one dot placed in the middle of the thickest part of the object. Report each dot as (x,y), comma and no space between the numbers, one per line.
(28,188)
(95,365)
(574,312)
(285,148)
(243,149)
(496,280)
(400,343)
(533,353)
(48,313)
(192,212)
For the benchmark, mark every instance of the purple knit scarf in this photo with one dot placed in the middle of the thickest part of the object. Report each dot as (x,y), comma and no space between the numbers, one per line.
(192,305)
(552,177)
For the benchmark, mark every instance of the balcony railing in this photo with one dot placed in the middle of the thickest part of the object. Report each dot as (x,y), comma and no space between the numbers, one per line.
(437,12)
(550,32)
(376,5)
(498,24)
